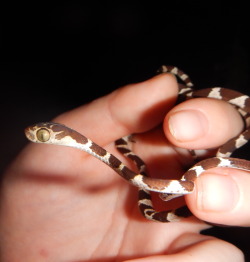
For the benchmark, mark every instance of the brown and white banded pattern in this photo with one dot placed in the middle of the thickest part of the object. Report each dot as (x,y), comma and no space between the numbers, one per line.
(58,134)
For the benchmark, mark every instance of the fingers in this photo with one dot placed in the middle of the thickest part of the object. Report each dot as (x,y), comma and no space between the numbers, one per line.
(133,108)
(222,197)
(202,123)
(192,247)
(195,124)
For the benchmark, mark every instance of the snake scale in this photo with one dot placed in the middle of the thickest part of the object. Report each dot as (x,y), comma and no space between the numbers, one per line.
(58,134)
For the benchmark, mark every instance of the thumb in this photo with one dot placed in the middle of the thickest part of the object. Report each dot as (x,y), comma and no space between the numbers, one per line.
(222,196)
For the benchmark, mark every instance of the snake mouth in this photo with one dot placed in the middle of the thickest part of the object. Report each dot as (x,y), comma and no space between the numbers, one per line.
(29,134)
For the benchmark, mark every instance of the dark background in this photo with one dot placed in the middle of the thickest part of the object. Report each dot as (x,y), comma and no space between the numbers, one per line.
(55,57)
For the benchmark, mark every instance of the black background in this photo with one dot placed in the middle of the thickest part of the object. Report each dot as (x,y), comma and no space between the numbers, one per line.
(55,57)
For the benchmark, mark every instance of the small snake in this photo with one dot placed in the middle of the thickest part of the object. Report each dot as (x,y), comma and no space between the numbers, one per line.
(58,134)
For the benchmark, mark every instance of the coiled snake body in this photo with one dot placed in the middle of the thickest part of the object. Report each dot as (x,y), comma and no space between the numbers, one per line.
(58,134)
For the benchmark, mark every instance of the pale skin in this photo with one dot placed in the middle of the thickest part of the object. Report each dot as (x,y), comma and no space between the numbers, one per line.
(60,204)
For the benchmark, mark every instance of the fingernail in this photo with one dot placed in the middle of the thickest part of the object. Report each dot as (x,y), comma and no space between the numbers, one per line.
(188,125)
(216,193)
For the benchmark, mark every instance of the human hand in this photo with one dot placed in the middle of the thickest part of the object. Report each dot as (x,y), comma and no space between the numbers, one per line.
(60,204)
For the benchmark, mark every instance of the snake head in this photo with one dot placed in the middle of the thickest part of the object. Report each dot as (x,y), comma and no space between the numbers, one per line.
(54,133)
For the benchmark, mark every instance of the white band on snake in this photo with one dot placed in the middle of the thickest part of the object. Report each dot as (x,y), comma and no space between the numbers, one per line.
(58,134)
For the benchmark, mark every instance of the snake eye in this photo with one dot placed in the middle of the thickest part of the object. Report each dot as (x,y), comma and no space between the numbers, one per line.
(43,135)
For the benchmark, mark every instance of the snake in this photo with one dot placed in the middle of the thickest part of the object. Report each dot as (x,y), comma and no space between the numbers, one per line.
(59,134)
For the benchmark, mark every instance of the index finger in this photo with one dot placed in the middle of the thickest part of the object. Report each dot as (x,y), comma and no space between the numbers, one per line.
(133,108)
